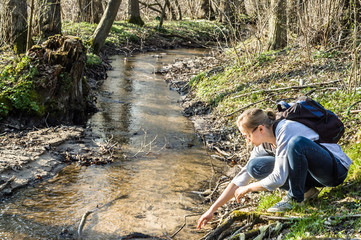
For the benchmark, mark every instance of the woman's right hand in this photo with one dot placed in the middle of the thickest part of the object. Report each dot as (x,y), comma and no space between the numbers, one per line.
(204,219)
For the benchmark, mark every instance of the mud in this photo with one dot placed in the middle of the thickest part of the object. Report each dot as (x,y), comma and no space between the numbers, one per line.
(29,156)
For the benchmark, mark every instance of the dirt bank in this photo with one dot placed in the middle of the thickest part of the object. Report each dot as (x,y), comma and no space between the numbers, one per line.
(29,156)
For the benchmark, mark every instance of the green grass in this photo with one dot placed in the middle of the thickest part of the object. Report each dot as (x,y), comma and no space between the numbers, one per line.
(123,33)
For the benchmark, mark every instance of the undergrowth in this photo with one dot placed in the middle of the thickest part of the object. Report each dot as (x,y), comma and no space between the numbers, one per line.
(124,33)
(17,88)
(260,81)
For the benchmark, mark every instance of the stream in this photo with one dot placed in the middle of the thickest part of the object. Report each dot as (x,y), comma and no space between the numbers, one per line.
(149,190)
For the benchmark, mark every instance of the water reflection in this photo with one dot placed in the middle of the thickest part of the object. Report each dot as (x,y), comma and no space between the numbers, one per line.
(150,192)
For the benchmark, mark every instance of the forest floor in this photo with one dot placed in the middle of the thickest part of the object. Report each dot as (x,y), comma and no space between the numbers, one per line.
(335,213)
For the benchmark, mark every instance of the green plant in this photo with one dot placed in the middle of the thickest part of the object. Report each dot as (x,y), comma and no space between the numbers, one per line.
(92,59)
(17,88)
(267,200)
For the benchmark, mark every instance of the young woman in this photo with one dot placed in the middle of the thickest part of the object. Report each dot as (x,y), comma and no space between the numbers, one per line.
(299,163)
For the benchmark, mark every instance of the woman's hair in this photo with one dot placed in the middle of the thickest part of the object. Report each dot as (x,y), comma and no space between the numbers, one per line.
(254,117)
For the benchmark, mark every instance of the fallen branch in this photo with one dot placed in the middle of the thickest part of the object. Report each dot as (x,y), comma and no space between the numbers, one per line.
(245,107)
(268,217)
(263,231)
(235,216)
(222,152)
(82,223)
(86,214)
(184,224)
(315,85)
(7,183)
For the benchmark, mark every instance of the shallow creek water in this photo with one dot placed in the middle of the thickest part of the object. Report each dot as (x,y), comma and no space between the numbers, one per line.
(149,191)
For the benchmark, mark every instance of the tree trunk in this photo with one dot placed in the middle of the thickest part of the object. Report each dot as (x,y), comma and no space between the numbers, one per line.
(13,27)
(207,10)
(30,25)
(135,13)
(277,38)
(162,16)
(90,10)
(171,10)
(50,18)
(226,13)
(106,22)
(97,11)
(179,9)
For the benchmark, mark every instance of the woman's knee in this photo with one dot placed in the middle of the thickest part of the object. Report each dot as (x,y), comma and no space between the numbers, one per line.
(260,167)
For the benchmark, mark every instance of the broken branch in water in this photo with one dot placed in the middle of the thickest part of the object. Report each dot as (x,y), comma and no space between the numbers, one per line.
(7,183)
(82,223)
(184,224)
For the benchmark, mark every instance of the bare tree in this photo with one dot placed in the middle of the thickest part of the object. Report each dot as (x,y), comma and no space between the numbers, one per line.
(50,18)
(162,16)
(179,9)
(171,10)
(90,10)
(135,13)
(13,27)
(106,22)
(277,37)
(207,10)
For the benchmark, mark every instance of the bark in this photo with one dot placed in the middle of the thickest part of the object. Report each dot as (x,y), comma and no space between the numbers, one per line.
(135,13)
(13,27)
(227,10)
(277,38)
(50,18)
(105,24)
(60,85)
(162,16)
(207,10)
(223,9)
(90,10)
(172,11)
(98,11)
(30,25)
(179,9)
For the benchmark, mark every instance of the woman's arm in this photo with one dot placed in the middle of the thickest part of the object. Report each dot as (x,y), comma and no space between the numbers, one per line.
(253,187)
(227,194)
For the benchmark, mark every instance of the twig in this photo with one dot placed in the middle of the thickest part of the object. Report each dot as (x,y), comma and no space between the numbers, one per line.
(82,223)
(266,217)
(4,185)
(248,225)
(242,108)
(185,222)
(287,88)
(222,152)
(83,219)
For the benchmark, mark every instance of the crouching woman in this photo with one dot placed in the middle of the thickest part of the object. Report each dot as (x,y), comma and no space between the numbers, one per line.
(299,163)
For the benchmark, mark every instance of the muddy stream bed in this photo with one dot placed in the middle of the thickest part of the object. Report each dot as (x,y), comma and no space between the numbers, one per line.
(149,190)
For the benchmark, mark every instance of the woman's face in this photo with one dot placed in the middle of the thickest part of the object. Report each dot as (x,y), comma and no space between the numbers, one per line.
(254,135)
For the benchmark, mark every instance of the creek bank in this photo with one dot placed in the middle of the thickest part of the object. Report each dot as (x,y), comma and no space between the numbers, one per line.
(29,156)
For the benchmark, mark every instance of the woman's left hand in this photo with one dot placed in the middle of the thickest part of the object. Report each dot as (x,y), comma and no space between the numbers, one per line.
(240,192)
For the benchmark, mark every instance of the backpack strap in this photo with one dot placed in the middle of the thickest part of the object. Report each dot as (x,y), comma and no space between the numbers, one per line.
(274,126)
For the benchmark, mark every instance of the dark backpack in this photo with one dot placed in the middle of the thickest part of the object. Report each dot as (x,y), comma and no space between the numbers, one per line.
(313,115)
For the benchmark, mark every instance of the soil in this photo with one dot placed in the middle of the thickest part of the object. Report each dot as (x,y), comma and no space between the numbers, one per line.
(29,156)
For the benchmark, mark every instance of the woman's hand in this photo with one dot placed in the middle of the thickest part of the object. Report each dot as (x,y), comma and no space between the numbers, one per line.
(240,192)
(204,219)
